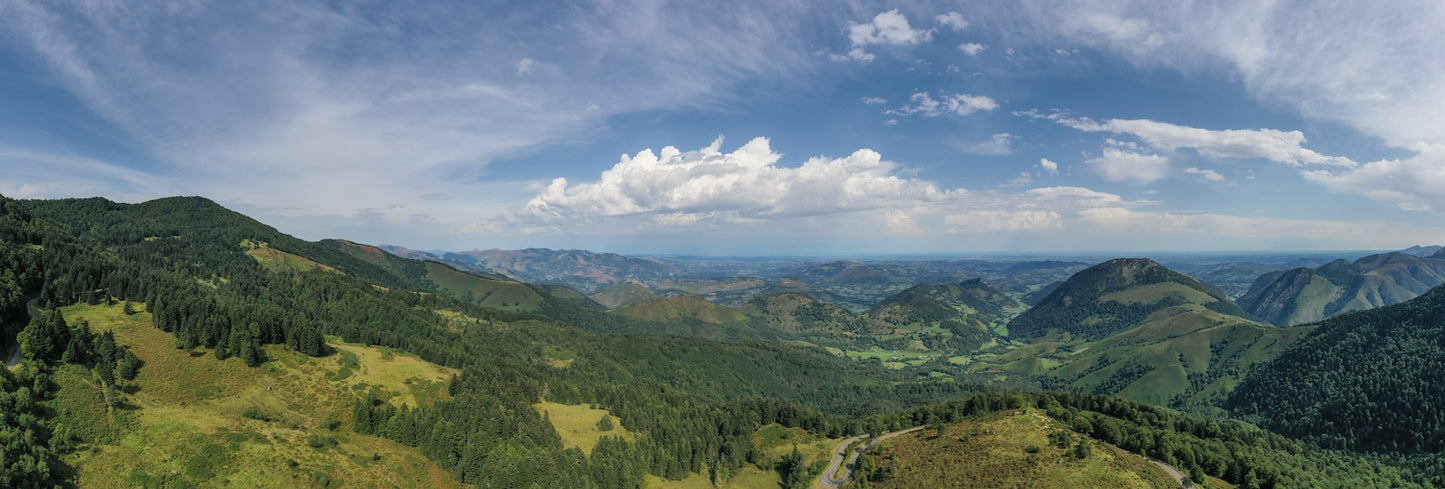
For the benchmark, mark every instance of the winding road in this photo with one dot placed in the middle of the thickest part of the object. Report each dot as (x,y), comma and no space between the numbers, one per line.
(827,480)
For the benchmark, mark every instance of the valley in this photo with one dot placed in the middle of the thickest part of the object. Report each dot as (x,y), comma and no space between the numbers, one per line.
(178,344)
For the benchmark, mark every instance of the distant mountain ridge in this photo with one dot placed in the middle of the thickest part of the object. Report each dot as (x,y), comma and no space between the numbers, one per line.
(1304,295)
(583,270)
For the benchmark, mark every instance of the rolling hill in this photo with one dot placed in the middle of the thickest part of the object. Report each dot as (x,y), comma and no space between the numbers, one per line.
(1303,295)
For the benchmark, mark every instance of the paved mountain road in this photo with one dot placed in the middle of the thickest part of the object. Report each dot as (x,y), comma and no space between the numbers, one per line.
(827,481)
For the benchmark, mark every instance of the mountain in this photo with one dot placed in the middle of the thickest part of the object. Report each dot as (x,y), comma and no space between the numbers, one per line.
(1134,328)
(1304,295)
(1370,380)
(1113,296)
(1422,251)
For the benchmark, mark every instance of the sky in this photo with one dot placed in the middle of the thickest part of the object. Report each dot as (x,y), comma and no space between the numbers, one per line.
(747,128)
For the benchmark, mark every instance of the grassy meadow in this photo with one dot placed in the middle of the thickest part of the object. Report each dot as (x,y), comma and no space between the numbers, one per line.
(190,420)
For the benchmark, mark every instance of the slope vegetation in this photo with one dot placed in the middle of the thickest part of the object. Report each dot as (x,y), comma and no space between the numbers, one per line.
(1012,448)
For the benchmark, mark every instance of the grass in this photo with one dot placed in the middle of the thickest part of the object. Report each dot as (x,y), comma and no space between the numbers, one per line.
(195,421)
(279,261)
(895,359)
(577,424)
(1010,449)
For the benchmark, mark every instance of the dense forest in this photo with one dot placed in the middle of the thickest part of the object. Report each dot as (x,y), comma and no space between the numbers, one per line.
(695,404)
(1370,380)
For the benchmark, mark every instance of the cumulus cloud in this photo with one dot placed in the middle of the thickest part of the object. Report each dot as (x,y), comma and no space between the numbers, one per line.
(1413,183)
(887,28)
(873,100)
(952,20)
(1049,166)
(972,48)
(960,104)
(746,183)
(1205,173)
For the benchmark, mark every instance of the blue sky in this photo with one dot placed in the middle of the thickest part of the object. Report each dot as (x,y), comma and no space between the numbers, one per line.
(746,128)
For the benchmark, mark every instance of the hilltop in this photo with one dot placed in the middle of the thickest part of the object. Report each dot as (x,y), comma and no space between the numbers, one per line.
(1116,295)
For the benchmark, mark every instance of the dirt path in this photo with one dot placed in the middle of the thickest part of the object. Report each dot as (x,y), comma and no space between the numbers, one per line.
(827,480)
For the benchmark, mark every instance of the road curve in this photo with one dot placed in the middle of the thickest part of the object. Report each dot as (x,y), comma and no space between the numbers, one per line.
(827,481)
(1173,472)
(14,361)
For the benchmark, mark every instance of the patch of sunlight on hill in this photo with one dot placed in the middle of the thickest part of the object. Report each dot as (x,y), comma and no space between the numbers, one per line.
(190,420)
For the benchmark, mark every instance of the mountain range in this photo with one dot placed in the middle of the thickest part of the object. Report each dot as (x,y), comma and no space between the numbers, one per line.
(177,343)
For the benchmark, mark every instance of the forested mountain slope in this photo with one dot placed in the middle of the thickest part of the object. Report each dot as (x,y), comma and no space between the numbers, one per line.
(1304,295)
(1370,380)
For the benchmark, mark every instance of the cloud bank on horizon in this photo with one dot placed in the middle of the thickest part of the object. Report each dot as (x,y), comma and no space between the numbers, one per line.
(925,127)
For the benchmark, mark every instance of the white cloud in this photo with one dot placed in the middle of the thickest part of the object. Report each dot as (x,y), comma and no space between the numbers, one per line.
(873,100)
(1011,221)
(960,104)
(1205,173)
(952,20)
(997,144)
(1271,144)
(1024,178)
(972,48)
(1377,70)
(1118,165)
(1049,166)
(887,28)
(524,67)
(1413,183)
